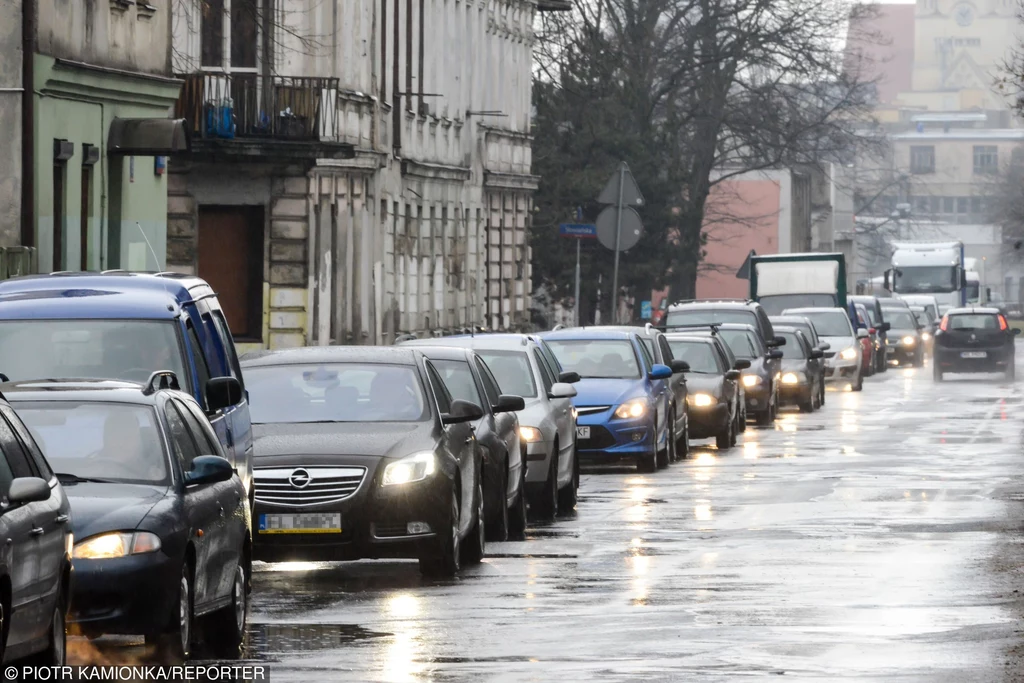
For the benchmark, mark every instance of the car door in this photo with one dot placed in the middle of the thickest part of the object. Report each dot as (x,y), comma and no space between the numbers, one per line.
(460,444)
(206,368)
(238,426)
(658,387)
(730,387)
(562,410)
(506,424)
(677,384)
(199,502)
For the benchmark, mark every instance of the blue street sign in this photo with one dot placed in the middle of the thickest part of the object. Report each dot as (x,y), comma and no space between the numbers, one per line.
(645,310)
(585,230)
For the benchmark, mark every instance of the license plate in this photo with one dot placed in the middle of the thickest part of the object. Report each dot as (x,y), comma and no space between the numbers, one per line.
(301,523)
(974,354)
(583,432)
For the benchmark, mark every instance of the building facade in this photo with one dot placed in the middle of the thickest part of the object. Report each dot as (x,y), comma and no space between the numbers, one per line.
(359,169)
(11,94)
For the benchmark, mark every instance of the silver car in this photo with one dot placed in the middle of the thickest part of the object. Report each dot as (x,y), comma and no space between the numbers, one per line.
(843,361)
(547,423)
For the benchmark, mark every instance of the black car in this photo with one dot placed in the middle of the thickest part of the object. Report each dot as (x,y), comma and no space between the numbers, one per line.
(805,325)
(35,557)
(362,452)
(468,378)
(704,311)
(715,398)
(905,345)
(974,340)
(160,516)
(801,372)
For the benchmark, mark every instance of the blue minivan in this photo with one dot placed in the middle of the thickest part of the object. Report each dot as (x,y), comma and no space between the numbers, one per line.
(126,326)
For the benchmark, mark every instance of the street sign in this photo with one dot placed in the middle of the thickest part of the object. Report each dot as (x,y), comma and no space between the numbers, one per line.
(744,271)
(584,230)
(630,191)
(632,228)
(645,310)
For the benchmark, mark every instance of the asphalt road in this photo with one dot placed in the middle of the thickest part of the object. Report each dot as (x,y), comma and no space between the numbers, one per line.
(878,539)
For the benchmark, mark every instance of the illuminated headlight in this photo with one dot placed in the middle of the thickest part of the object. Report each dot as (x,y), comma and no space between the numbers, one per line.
(530,434)
(702,400)
(117,544)
(925,336)
(751,380)
(792,378)
(575,413)
(849,353)
(908,341)
(631,409)
(413,468)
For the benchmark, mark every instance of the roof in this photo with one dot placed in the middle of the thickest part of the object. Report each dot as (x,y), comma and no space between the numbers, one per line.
(880,48)
(395,355)
(586,333)
(783,319)
(642,331)
(113,294)
(683,336)
(974,309)
(813,309)
(509,342)
(443,352)
(88,390)
(713,303)
(961,134)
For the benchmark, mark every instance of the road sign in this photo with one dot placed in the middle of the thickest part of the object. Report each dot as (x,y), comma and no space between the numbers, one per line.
(630,191)
(632,228)
(744,271)
(585,230)
(645,310)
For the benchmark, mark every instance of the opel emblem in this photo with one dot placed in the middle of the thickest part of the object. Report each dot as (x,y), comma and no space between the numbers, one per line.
(300,478)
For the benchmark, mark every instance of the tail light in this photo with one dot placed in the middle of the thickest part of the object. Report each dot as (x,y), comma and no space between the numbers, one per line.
(872,330)
(1002,323)
(945,323)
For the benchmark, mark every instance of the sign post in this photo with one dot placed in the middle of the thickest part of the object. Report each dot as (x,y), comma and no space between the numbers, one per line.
(579,231)
(622,193)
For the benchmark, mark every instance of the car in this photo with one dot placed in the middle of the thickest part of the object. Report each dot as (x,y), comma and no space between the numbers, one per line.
(744,311)
(547,423)
(876,315)
(715,386)
(1014,310)
(889,303)
(906,343)
(162,531)
(843,359)
(621,405)
(36,570)
(120,325)
(867,344)
(974,339)
(807,327)
(801,376)
(927,301)
(658,349)
(362,452)
(468,378)
(928,325)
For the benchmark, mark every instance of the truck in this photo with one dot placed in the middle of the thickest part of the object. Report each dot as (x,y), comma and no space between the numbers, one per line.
(781,281)
(974,293)
(936,268)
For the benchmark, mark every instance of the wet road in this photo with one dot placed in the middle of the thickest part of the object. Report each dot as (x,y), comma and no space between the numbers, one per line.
(878,539)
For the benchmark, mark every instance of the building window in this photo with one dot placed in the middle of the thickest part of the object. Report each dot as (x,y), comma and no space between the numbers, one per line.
(83,228)
(212,36)
(948,205)
(961,204)
(921,204)
(986,158)
(936,204)
(976,205)
(59,202)
(922,159)
(243,34)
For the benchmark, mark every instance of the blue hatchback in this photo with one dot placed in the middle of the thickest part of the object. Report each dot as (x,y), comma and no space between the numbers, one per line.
(622,397)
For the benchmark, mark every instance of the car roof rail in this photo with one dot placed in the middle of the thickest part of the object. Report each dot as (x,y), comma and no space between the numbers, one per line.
(113,270)
(692,326)
(161,379)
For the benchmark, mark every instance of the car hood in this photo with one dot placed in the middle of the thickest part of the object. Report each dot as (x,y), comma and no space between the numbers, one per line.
(708,384)
(837,344)
(794,364)
(757,367)
(606,392)
(98,508)
(381,439)
(895,333)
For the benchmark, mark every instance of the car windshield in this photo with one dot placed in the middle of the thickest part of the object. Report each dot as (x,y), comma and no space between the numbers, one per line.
(792,349)
(806,328)
(776,304)
(458,378)
(89,349)
(910,279)
(597,358)
(922,318)
(901,320)
(111,441)
(829,323)
(703,316)
(512,370)
(973,321)
(739,342)
(698,354)
(335,392)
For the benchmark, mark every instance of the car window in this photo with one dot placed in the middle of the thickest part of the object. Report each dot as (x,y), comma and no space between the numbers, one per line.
(458,378)
(202,369)
(647,352)
(512,370)
(902,320)
(203,434)
(182,442)
(597,358)
(755,340)
(28,443)
(666,351)
(739,343)
(545,372)
(444,399)
(6,477)
(490,384)
(17,461)
(225,334)
(832,323)
(549,357)
(794,347)
(973,321)
(701,356)
(702,316)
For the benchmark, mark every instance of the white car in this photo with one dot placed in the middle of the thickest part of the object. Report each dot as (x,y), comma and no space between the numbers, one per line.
(843,357)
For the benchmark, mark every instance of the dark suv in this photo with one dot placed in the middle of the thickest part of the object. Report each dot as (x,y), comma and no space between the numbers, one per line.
(744,312)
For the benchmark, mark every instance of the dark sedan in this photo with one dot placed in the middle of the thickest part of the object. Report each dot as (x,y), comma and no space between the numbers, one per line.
(715,394)
(974,340)
(905,344)
(362,452)
(801,373)
(160,516)
(805,325)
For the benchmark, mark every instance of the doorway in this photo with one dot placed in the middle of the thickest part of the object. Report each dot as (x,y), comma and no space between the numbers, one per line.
(231,261)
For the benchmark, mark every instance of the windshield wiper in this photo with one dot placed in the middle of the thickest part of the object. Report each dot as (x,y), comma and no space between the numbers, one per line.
(67,478)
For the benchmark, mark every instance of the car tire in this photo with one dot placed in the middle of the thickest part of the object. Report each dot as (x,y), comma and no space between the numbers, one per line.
(683,442)
(806,406)
(227,625)
(860,383)
(174,644)
(743,419)
(919,360)
(446,560)
(648,462)
(936,372)
(664,454)
(497,529)
(517,520)
(724,439)
(55,653)
(544,506)
(821,392)
(736,429)
(1011,372)
(569,495)
(475,545)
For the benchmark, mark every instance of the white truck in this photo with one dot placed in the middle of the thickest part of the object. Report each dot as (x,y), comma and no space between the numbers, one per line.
(974,293)
(936,268)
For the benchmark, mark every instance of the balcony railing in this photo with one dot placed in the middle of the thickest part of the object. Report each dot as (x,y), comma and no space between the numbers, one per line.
(253,106)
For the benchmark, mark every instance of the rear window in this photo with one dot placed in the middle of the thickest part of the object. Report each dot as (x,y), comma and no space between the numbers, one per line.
(973,321)
(702,316)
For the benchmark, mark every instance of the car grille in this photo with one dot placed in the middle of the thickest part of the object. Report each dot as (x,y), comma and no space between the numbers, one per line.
(588,410)
(599,438)
(390,529)
(302,486)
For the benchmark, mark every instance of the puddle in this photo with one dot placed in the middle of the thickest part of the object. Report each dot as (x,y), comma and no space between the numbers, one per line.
(268,639)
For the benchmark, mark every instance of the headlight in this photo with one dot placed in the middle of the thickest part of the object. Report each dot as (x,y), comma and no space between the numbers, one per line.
(117,544)
(703,400)
(792,378)
(529,434)
(413,468)
(631,409)
(925,336)
(575,413)
(751,380)
(848,353)
(908,341)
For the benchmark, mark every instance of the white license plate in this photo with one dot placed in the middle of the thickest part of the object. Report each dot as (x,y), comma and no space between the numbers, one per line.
(301,523)
(583,432)
(974,354)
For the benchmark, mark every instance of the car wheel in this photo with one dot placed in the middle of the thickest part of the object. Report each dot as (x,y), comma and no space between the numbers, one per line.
(476,542)
(725,439)
(648,462)
(174,645)
(663,453)
(1011,372)
(860,383)
(743,419)
(517,520)
(545,504)
(683,442)
(936,372)
(446,560)
(568,496)
(497,529)
(821,391)
(55,653)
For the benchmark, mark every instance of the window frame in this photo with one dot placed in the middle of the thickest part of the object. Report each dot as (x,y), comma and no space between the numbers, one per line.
(37,460)
(437,388)
(488,380)
(202,423)
(169,409)
(988,156)
(916,154)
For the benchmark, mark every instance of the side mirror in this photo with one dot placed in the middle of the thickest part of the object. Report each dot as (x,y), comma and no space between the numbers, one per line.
(824,346)
(679,365)
(569,377)
(733,375)
(509,404)
(28,490)
(775,354)
(885,327)
(1016,331)
(742,364)
(817,353)
(208,469)
(659,371)
(562,390)
(462,411)
(862,334)
(779,341)
(887,276)
(222,392)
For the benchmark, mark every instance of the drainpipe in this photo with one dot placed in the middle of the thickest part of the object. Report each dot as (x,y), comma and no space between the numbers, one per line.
(28,167)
